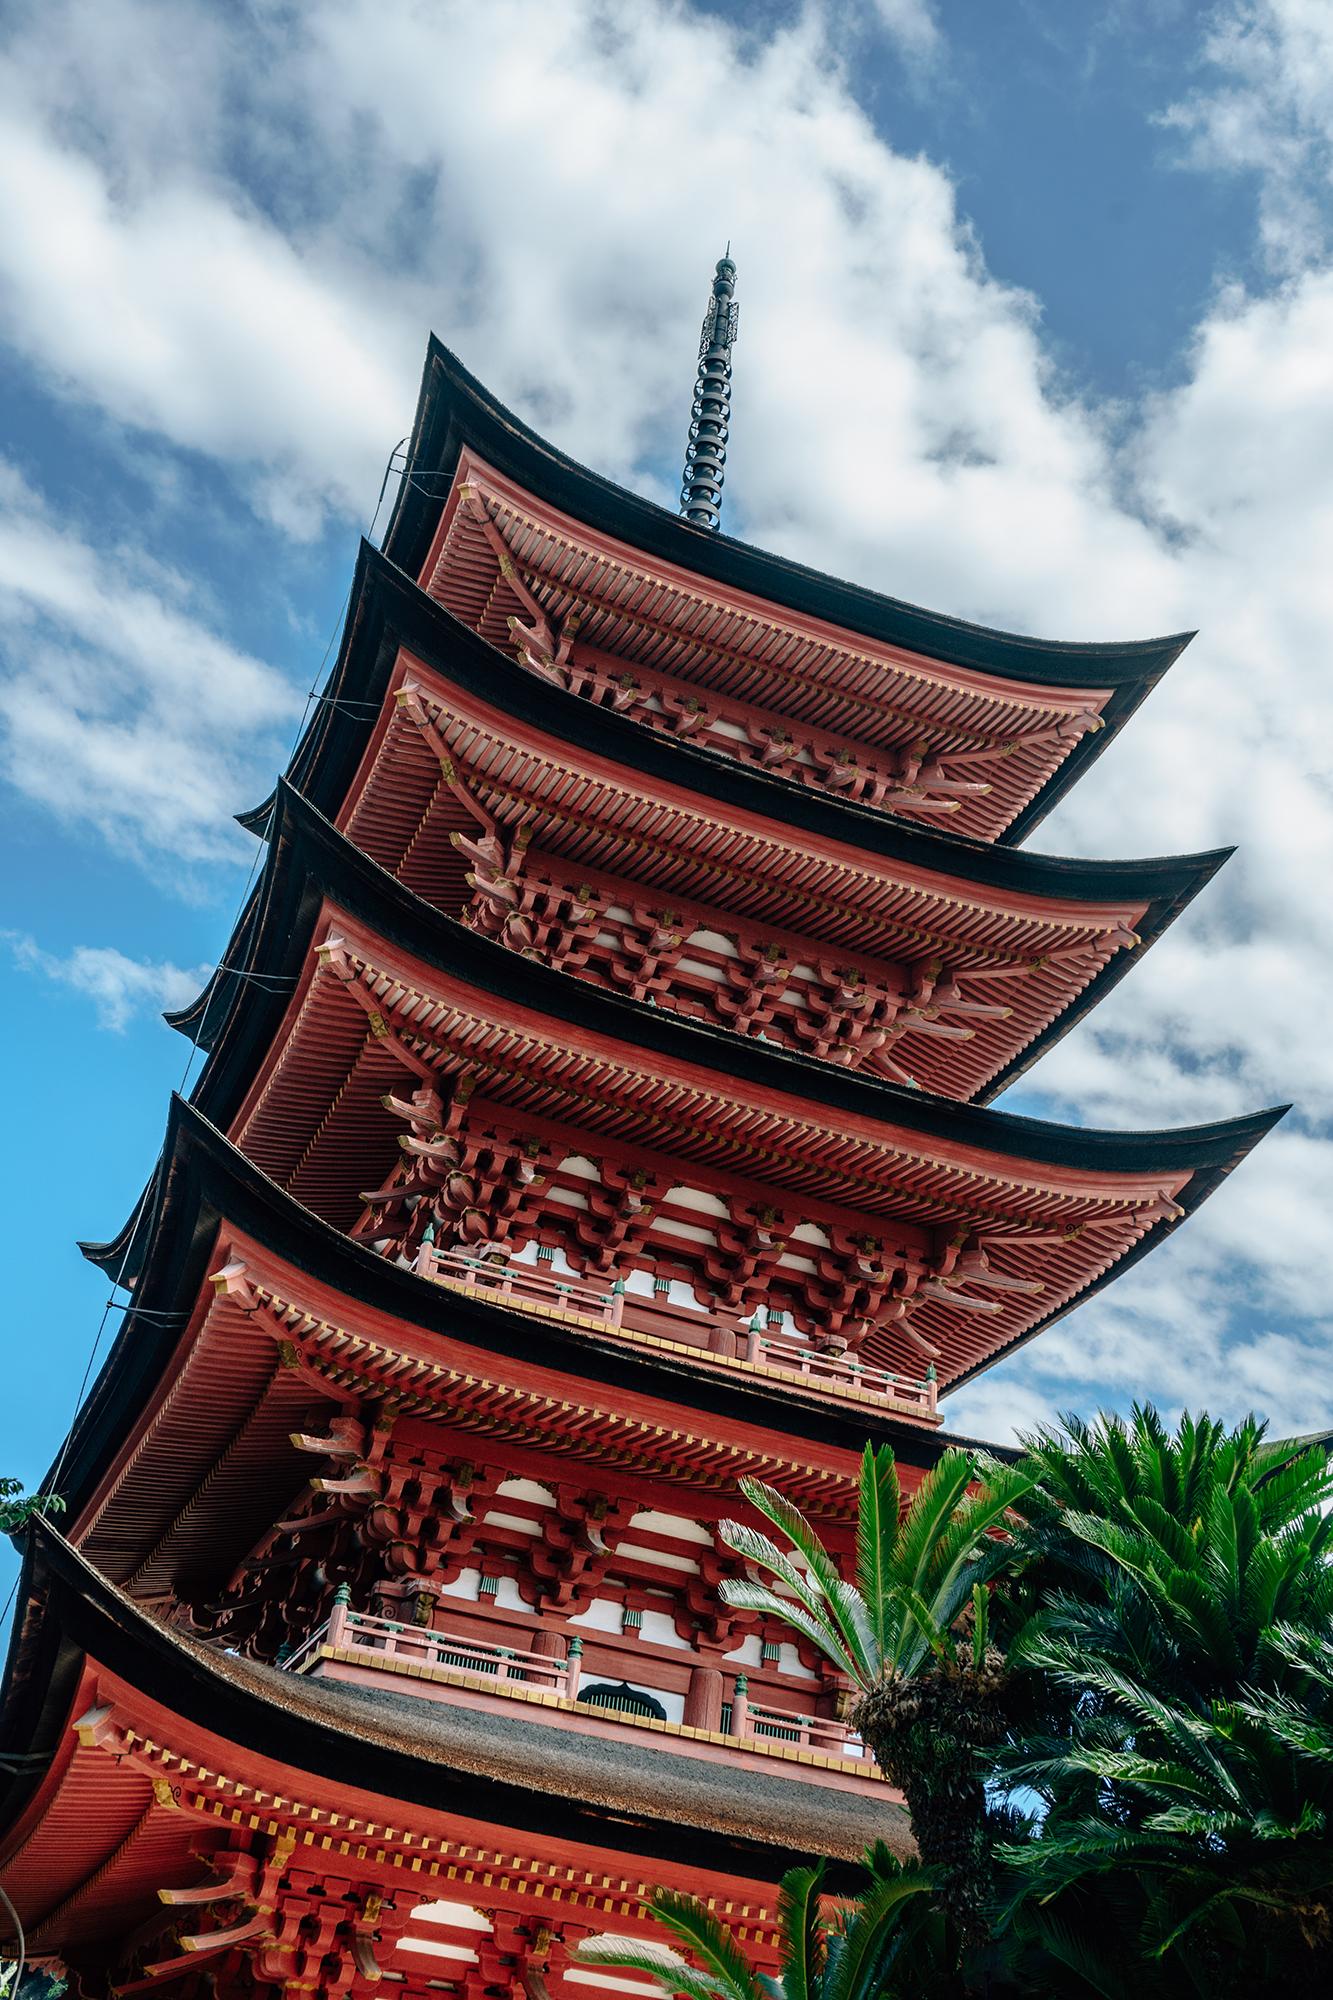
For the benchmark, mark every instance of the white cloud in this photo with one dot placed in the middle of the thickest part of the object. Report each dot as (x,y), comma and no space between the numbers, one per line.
(1266,108)
(119,710)
(119,987)
(251,255)
(912,24)
(183,311)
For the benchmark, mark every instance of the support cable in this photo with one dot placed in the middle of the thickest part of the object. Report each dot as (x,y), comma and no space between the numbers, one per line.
(235,972)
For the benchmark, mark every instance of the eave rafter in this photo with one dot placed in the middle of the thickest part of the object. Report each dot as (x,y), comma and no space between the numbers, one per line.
(439,1035)
(963,1254)
(603,622)
(194,1805)
(953,982)
(404,1382)
(294,1887)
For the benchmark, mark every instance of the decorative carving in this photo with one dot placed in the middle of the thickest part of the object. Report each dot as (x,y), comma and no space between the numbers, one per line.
(571,1557)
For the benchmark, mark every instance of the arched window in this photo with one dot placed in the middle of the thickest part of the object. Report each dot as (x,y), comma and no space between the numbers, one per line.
(620,1695)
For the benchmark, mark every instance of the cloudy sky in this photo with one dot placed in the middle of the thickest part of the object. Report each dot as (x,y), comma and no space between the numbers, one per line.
(1037,328)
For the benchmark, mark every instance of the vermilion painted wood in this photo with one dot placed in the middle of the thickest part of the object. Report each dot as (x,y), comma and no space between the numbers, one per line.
(587,825)
(652,614)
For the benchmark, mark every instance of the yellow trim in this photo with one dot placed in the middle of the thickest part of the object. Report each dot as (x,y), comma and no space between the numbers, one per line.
(366,1656)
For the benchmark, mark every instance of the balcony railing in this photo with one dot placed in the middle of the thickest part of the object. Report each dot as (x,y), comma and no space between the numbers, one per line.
(531,1288)
(409,1645)
(522,1287)
(358,1638)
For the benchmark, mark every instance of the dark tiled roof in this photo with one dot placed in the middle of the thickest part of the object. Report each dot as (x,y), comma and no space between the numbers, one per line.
(454,410)
(515,1773)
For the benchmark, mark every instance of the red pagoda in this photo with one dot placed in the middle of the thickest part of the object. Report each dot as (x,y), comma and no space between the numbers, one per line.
(594,1112)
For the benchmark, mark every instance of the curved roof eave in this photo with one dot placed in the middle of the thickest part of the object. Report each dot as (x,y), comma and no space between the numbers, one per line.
(310,859)
(203,1180)
(389,611)
(454,410)
(423,1754)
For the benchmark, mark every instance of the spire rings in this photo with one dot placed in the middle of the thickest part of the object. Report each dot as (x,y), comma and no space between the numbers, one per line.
(709,430)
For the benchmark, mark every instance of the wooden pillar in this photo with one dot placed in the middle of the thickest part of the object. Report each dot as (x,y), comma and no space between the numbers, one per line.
(703,1700)
(550,1646)
(337,1632)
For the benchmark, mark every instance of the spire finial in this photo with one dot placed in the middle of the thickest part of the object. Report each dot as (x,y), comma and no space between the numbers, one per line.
(706,452)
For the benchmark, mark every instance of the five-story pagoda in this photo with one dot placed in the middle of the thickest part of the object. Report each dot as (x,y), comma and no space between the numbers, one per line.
(593,1113)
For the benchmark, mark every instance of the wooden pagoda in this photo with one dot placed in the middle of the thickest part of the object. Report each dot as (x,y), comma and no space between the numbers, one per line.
(594,1112)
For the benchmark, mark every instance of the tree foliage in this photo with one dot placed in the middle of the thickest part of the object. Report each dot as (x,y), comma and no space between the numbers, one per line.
(1182,1647)
(890,1942)
(18,1508)
(930,1695)
(1131,1628)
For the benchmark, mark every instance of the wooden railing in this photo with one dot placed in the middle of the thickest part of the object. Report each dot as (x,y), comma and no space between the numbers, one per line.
(839,1371)
(823,1734)
(522,1287)
(401,1644)
(397,1647)
(531,1288)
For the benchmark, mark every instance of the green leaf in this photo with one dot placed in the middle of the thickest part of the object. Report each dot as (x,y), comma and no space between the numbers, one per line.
(747,1596)
(980,1624)
(874,1928)
(673,1973)
(803,1939)
(695,1925)
(878,1519)
(844,1601)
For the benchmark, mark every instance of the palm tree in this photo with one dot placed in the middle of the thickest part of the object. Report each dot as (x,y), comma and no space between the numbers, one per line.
(911,1634)
(1205,1538)
(889,1943)
(1207,1862)
(1185,1643)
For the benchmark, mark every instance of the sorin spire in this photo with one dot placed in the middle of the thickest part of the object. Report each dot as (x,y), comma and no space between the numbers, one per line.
(706,452)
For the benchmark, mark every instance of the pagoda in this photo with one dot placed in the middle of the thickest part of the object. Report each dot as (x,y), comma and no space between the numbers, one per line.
(595,1111)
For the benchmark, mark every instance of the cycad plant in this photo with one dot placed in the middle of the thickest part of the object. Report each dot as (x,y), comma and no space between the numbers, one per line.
(911,1634)
(887,1943)
(1187,1623)
(1206,1537)
(1184,1852)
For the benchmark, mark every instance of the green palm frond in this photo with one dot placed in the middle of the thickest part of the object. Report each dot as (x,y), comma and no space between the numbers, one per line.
(804,1945)
(879,1507)
(673,1973)
(743,1595)
(807,1588)
(931,1635)
(963,1545)
(845,1607)
(695,1926)
(1080,1955)
(932,1509)
(860,1955)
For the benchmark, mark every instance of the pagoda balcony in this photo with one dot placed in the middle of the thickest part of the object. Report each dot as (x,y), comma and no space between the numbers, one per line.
(359,1649)
(719,1339)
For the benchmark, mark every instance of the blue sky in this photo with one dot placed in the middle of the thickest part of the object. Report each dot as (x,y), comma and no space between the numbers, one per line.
(1036,327)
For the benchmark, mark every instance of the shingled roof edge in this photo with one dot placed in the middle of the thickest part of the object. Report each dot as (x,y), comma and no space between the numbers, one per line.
(331,865)
(467,413)
(388,611)
(455,409)
(338,1734)
(202,1178)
